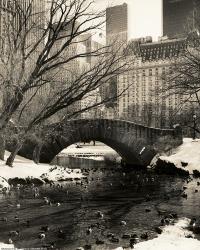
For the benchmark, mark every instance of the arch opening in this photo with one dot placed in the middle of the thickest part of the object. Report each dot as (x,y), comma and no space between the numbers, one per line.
(94,150)
(50,151)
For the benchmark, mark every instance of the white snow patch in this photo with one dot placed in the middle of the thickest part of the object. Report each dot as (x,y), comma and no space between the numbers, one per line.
(172,238)
(57,173)
(142,150)
(6,246)
(188,152)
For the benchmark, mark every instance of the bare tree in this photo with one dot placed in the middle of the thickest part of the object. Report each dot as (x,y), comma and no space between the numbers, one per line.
(36,47)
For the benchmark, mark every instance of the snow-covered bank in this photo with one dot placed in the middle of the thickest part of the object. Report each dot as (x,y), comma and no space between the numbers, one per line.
(186,157)
(6,246)
(174,237)
(27,169)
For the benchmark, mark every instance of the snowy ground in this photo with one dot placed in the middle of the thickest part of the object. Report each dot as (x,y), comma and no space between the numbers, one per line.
(24,168)
(172,238)
(187,154)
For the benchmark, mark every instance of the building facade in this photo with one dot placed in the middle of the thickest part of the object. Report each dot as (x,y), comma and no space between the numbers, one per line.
(143,100)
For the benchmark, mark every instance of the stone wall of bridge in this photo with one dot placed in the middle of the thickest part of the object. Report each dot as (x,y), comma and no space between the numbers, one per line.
(136,144)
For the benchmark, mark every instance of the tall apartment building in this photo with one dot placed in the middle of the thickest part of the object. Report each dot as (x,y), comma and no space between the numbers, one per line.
(144,101)
(175,16)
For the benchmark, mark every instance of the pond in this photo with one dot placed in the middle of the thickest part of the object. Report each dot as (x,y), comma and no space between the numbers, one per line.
(110,200)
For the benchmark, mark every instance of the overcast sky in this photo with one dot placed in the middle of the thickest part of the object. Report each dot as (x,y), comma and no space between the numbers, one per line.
(145,16)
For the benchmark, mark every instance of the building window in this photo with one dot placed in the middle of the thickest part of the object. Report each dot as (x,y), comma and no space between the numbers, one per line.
(156,73)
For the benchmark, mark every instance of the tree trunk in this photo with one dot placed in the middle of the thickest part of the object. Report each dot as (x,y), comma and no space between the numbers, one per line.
(2,147)
(3,123)
(13,154)
(5,117)
(9,109)
(36,153)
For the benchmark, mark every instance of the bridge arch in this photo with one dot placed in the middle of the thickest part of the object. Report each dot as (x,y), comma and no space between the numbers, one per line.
(136,144)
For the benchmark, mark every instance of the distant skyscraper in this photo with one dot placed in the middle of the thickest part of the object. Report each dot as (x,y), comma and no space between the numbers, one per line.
(116,36)
(175,16)
(117,23)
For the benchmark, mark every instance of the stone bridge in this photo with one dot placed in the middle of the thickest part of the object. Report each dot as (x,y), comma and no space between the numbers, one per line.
(136,144)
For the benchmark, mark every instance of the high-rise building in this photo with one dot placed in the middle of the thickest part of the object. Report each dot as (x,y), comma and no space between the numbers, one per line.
(175,16)
(5,10)
(117,23)
(8,7)
(12,16)
(12,24)
(117,37)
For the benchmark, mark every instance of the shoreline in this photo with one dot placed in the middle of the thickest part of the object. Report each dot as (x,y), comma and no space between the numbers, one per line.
(175,236)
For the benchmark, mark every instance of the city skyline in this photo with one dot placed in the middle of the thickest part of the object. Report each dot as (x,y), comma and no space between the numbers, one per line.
(145,17)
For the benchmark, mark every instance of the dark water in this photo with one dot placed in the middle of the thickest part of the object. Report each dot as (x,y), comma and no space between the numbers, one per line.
(119,195)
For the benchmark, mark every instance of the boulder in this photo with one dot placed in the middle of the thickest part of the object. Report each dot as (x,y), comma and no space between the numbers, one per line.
(164,167)
(196,227)
(4,185)
(196,173)
(16,180)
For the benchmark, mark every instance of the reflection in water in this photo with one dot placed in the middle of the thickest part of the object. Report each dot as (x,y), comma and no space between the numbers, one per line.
(83,212)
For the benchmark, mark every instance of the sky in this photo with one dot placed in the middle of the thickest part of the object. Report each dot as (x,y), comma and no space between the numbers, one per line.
(145,16)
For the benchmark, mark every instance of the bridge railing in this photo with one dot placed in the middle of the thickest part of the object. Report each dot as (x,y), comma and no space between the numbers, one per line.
(118,125)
